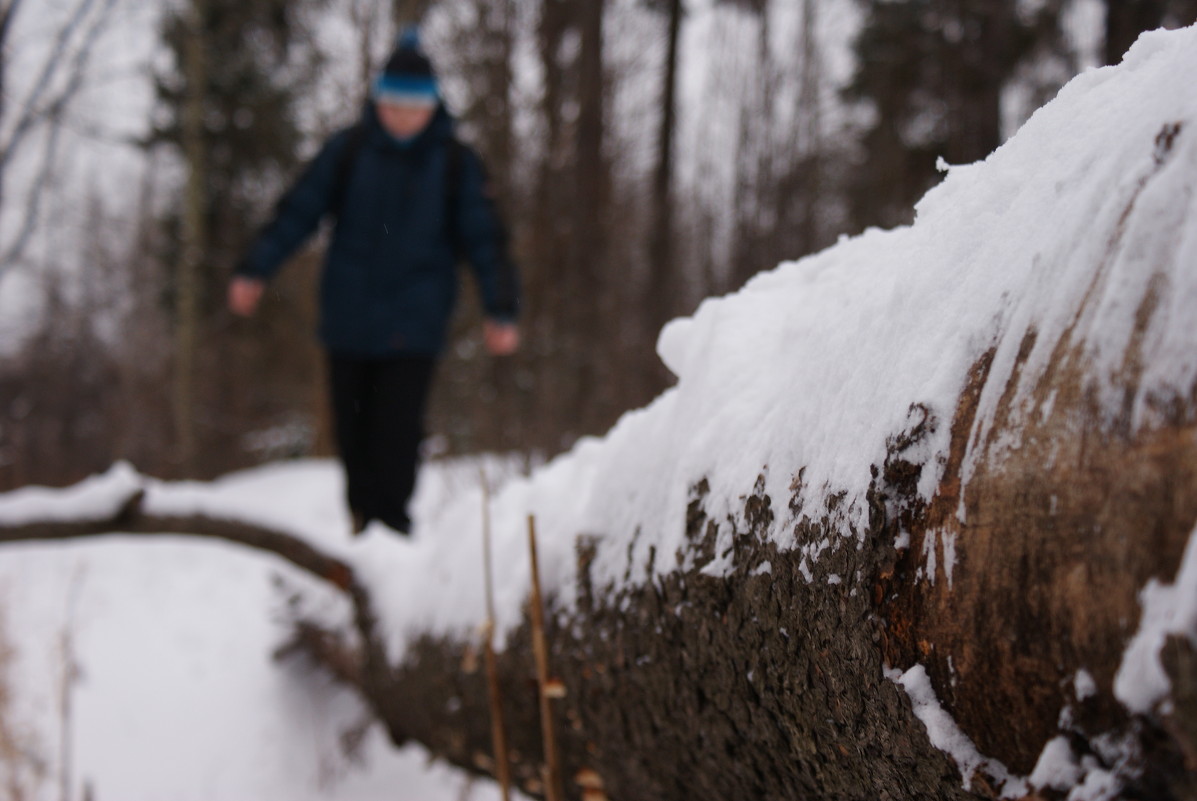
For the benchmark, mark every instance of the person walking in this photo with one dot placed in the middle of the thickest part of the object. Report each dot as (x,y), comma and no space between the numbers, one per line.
(407,199)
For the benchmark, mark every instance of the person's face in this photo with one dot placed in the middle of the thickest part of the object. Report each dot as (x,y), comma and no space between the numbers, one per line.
(402,120)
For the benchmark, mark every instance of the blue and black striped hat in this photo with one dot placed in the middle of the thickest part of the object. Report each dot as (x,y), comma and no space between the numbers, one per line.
(407,79)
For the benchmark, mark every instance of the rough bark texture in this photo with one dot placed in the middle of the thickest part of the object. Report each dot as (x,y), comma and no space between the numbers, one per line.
(769,682)
(767,685)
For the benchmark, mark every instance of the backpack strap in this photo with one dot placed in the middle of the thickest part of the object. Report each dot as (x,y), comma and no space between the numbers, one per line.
(355,138)
(453,159)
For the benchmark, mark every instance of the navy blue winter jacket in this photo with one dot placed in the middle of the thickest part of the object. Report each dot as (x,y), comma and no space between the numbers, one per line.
(390,274)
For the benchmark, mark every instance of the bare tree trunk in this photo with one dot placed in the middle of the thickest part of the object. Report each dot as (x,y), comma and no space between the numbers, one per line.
(548,296)
(757,196)
(364,20)
(663,290)
(810,111)
(1125,20)
(409,12)
(594,328)
(974,74)
(512,412)
(194,238)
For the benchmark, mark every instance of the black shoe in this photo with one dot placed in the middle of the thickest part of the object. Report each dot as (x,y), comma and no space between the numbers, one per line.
(360,521)
(399,525)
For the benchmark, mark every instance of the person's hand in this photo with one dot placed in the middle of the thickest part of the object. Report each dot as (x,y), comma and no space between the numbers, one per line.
(502,339)
(244,295)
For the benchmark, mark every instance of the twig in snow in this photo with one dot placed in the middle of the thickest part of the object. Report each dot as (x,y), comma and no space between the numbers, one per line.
(549,689)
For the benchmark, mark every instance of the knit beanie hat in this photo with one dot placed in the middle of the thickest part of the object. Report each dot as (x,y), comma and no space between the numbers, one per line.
(407,79)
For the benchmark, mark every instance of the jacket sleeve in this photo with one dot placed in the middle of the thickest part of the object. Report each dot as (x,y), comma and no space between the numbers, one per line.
(297,214)
(482,239)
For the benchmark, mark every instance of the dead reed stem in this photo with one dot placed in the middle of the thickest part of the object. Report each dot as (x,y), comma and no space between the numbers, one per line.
(552,769)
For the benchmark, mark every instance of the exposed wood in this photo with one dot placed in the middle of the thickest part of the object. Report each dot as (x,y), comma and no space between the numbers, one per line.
(194,236)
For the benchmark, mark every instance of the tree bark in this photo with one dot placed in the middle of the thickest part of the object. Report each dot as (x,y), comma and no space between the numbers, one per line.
(194,236)
(1126,20)
(770,683)
(595,328)
(408,12)
(664,287)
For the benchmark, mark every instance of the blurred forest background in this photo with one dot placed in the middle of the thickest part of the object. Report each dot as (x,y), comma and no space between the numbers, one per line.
(648,153)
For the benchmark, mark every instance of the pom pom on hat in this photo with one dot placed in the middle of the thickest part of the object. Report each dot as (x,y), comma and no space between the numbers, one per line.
(407,78)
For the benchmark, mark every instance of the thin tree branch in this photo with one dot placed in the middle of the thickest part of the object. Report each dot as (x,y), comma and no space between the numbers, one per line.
(369,671)
(44,79)
(132,519)
(53,112)
(8,13)
(327,649)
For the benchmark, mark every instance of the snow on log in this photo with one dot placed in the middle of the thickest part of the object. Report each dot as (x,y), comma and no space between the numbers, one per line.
(915,522)
(895,531)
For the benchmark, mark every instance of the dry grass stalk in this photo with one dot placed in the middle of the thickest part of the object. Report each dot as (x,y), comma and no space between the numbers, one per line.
(552,769)
(22,770)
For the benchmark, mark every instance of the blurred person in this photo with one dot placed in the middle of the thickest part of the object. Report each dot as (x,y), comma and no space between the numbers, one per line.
(407,199)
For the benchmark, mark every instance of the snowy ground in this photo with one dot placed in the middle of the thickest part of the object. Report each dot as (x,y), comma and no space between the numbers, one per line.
(176,695)
(1068,230)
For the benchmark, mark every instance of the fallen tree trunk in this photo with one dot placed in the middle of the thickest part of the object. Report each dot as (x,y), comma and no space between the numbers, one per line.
(770,681)
(967,619)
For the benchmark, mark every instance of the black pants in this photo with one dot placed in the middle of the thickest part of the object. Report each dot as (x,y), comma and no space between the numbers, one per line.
(378,413)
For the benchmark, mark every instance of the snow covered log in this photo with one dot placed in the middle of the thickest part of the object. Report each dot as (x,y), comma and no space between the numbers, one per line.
(917,521)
